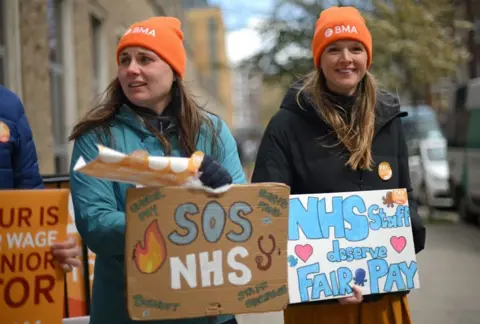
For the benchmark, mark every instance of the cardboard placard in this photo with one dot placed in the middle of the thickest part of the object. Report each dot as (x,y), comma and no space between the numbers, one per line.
(31,282)
(192,254)
(341,239)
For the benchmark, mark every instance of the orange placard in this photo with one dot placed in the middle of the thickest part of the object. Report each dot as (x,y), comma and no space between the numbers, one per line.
(31,282)
(77,301)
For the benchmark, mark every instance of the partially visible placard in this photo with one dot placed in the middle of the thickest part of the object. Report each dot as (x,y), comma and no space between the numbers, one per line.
(31,281)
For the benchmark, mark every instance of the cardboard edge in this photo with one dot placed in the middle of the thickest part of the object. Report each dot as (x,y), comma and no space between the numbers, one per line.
(128,194)
(209,193)
(128,306)
(235,185)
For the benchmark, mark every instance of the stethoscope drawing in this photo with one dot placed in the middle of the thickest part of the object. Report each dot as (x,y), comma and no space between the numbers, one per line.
(268,254)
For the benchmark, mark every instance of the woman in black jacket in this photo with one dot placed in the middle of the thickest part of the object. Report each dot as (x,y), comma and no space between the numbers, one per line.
(332,131)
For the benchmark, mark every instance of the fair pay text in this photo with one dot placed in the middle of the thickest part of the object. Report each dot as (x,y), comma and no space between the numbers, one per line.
(350,220)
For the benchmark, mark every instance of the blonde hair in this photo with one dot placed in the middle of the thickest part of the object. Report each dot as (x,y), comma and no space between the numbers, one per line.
(356,133)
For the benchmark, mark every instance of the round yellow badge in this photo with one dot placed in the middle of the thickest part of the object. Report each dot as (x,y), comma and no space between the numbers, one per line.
(4,133)
(385,171)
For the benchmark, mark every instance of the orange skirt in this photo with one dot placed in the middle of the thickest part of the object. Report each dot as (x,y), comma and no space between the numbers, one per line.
(388,310)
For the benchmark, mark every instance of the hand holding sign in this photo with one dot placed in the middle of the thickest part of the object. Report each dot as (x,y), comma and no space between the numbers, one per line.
(67,254)
(357,297)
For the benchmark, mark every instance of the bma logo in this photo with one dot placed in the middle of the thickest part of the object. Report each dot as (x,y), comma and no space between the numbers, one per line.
(141,30)
(340,29)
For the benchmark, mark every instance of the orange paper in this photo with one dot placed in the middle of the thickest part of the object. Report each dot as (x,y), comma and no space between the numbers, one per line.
(140,168)
(31,282)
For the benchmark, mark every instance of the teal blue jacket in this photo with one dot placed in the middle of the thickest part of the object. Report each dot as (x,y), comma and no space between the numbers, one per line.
(99,207)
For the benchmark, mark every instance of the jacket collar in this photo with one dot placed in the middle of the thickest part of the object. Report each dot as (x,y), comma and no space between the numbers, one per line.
(387,107)
(132,117)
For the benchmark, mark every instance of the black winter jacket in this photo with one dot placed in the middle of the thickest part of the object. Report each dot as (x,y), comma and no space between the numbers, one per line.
(291,152)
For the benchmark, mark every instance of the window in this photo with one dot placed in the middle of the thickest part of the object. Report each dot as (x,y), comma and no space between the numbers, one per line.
(476,29)
(3,49)
(99,40)
(473,131)
(119,33)
(437,154)
(96,26)
(455,129)
(57,85)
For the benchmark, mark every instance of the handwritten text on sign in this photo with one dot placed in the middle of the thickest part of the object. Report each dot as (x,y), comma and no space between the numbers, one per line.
(337,240)
(221,251)
(30,282)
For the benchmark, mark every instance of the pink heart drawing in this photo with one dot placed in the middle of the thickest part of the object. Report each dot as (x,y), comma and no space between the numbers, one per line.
(398,243)
(304,252)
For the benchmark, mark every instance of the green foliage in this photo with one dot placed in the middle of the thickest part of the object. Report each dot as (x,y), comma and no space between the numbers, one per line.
(416,42)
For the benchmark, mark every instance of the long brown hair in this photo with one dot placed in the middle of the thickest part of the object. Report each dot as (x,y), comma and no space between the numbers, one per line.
(189,115)
(356,134)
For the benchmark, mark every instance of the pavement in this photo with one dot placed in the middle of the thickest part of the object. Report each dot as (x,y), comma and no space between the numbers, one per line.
(449,276)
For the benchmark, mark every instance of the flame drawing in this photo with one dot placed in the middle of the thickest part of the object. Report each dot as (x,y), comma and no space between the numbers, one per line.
(153,254)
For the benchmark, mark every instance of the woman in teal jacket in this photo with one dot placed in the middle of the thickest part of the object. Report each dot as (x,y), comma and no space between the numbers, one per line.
(146,107)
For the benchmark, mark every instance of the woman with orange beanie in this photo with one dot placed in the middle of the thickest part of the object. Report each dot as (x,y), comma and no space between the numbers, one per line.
(146,107)
(333,130)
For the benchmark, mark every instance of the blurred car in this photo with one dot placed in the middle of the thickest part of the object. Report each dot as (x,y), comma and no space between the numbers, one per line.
(421,123)
(427,150)
(434,188)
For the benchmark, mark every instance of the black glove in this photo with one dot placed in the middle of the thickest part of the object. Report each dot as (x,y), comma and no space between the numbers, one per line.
(213,174)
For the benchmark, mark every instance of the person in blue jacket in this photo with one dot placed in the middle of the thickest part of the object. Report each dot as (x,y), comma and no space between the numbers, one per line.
(146,107)
(18,156)
(19,164)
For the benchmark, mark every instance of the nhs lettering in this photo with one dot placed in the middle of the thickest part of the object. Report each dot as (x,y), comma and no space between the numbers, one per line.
(340,29)
(141,30)
(339,240)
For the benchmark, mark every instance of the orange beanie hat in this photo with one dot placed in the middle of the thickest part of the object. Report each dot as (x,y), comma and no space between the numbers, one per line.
(338,23)
(162,35)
